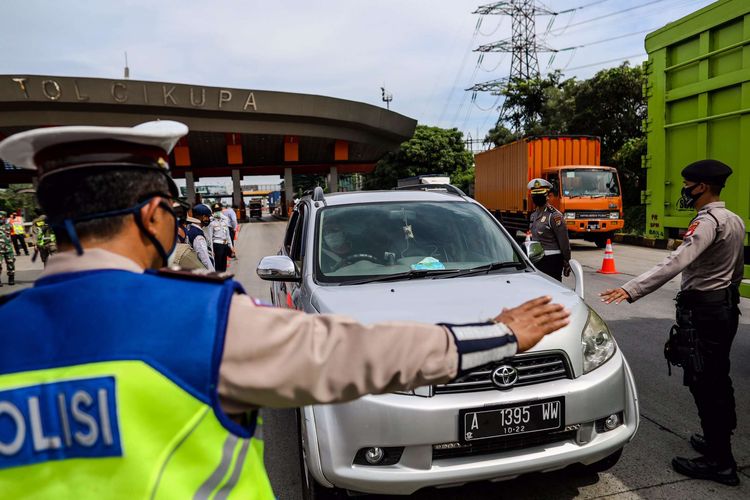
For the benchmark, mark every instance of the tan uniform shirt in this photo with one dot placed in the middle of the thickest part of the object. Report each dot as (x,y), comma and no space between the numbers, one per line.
(710,257)
(284,358)
(548,228)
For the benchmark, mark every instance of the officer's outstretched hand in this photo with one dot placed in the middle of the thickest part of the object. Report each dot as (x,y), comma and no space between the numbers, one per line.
(615,295)
(534,319)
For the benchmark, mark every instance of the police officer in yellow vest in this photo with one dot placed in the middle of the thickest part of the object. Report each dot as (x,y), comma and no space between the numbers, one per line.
(142,398)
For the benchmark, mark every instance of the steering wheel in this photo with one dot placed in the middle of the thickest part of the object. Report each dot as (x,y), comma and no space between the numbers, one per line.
(361,256)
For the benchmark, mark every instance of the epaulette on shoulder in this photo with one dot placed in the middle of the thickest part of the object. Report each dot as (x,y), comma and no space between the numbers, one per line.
(194,274)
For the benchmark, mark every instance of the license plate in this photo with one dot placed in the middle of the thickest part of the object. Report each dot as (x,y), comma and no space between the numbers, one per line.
(509,420)
(593,226)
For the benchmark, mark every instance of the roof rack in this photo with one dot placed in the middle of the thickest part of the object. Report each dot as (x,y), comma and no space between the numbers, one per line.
(316,194)
(432,187)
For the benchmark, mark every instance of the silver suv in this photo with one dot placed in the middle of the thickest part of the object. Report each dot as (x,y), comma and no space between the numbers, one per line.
(441,257)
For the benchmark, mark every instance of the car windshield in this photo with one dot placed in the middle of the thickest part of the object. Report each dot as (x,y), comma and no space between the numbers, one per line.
(408,240)
(597,183)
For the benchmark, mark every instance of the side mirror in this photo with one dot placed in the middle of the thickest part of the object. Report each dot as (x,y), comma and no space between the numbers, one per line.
(575,266)
(277,268)
(534,251)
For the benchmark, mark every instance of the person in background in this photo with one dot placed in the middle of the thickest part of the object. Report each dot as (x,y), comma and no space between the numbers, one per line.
(6,250)
(219,236)
(45,240)
(197,236)
(18,234)
(184,256)
(548,228)
(232,216)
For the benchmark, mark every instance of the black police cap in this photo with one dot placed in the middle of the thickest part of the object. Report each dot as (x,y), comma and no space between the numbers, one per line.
(711,172)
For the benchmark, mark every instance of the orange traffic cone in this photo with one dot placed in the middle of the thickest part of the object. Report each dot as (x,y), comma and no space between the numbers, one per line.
(608,264)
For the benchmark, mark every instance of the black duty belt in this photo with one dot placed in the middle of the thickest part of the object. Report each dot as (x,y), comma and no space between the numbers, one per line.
(698,297)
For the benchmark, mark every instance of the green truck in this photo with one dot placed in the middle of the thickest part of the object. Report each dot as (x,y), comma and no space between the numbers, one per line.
(698,93)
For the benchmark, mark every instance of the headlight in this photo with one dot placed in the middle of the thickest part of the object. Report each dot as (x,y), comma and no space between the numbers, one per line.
(570,215)
(596,342)
(614,215)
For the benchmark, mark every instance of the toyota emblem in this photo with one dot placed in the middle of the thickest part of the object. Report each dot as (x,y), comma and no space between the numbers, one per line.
(505,376)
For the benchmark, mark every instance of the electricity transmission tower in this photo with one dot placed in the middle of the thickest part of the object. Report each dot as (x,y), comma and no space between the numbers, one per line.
(523,44)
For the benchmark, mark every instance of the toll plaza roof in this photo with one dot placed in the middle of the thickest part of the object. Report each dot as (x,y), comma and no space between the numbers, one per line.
(257,132)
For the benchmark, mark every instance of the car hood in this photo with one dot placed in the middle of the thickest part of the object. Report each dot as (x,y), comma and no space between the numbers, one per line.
(456,300)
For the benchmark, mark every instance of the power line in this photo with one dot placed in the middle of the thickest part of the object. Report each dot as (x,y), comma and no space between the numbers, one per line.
(460,70)
(611,14)
(607,61)
(604,40)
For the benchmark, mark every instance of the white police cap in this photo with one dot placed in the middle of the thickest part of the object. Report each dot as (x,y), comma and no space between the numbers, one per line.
(42,148)
(539,186)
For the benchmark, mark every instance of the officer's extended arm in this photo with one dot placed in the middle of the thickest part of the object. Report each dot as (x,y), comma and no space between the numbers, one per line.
(692,246)
(305,359)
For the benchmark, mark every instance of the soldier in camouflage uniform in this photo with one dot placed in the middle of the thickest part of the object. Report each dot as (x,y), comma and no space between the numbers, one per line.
(6,250)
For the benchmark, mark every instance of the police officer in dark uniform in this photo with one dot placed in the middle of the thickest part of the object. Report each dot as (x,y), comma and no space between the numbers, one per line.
(711,261)
(548,228)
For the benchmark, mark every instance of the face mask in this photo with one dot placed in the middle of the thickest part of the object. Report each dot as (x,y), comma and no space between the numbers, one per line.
(539,199)
(688,199)
(334,240)
(205,222)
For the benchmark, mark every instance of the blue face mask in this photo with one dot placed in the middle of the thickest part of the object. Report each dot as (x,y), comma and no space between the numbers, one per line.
(69,226)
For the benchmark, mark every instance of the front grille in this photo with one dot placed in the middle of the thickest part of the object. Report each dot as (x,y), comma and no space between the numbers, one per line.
(503,444)
(593,214)
(532,369)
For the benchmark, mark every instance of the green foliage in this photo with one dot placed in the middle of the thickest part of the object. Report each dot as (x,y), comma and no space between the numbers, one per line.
(610,106)
(500,135)
(635,220)
(464,180)
(627,159)
(432,150)
(11,200)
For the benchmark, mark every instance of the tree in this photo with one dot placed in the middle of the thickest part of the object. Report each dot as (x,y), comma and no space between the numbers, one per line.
(19,196)
(611,106)
(500,135)
(432,150)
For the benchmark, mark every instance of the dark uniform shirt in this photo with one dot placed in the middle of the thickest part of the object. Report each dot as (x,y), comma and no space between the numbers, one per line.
(710,257)
(548,228)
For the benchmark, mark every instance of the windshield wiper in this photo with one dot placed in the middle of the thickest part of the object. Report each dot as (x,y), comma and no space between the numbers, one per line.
(487,269)
(408,275)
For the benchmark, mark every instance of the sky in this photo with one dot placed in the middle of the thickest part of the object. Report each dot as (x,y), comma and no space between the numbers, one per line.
(420,50)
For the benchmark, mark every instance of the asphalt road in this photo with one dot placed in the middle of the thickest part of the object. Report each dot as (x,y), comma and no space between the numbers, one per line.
(668,415)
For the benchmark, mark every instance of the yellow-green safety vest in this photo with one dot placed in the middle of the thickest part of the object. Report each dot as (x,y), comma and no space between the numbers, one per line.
(112,393)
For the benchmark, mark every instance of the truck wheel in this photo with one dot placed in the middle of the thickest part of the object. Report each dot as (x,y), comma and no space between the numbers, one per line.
(605,463)
(311,490)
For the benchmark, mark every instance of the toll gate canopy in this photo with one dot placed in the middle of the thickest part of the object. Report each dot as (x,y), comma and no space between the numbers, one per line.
(233,132)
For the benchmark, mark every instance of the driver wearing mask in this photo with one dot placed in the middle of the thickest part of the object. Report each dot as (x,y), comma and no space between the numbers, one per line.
(336,247)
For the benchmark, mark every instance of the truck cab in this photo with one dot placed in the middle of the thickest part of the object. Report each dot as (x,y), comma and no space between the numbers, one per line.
(589,197)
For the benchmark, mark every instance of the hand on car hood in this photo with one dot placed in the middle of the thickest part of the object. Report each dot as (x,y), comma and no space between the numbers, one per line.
(458,300)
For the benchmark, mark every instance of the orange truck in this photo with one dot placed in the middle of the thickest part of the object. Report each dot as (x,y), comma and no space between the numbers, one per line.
(587,193)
